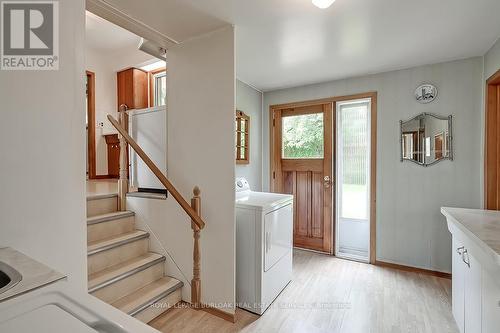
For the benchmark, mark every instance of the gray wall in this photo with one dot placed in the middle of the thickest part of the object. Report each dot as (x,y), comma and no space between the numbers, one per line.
(492,60)
(249,101)
(410,229)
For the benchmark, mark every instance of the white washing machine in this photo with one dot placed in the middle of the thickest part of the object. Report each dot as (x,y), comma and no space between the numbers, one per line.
(264,241)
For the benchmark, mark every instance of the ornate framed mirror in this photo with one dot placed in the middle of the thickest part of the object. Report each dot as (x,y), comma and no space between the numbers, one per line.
(426,139)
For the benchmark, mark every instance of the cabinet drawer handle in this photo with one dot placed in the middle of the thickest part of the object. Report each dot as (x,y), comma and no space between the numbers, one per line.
(467,262)
(460,249)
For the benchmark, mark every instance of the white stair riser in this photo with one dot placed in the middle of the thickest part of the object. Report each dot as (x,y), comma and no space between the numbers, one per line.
(117,255)
(113,292)
(111,228)
(159,307)
(102,206)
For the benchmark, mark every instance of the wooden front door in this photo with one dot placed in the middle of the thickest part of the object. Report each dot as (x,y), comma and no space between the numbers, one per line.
(302,166)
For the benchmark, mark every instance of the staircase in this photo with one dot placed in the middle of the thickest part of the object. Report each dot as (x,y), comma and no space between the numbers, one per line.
(121,269)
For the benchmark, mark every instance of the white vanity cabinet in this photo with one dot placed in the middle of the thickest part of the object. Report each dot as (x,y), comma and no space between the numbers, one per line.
(466,289)
(458,285)
(490,303)
(473,273)
(475,269)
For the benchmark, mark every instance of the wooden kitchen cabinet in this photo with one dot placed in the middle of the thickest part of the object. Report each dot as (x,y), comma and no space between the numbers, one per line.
(113,144)
(133,88)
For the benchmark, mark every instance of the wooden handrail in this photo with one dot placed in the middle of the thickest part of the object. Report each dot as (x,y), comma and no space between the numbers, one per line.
(196,219)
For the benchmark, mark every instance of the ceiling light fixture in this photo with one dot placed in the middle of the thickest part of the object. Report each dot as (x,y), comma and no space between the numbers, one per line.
(323,4)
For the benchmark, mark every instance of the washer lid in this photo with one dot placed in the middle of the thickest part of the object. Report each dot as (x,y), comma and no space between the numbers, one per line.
(263,201)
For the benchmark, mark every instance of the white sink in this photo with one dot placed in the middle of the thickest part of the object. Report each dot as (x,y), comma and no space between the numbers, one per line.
(9,277)
(55,309)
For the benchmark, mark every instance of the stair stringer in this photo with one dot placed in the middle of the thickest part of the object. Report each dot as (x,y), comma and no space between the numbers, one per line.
(168,236)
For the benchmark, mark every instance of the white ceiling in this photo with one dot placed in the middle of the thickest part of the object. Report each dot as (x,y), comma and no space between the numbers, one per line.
(178,19)
(284,43)
(104,36)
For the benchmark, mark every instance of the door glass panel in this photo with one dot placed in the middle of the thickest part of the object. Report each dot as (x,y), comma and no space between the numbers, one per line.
(353,178)
(302,136)
(354,162)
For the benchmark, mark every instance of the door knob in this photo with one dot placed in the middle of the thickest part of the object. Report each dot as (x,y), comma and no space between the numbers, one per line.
(327,181)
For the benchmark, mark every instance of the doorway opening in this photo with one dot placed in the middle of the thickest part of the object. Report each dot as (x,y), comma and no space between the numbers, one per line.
(124,71)
(90,120)
(323,152)
(492,144)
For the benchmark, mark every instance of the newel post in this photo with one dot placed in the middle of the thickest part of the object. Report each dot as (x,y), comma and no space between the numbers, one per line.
(196,281)
(123,180)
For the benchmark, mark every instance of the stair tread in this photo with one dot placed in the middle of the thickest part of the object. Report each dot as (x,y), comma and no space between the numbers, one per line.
(111,272)
(101,196)
(121,238)
(146,294)
(109,216)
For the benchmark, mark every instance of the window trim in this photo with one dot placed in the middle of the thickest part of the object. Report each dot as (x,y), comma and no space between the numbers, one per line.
(152,84)
(240,115)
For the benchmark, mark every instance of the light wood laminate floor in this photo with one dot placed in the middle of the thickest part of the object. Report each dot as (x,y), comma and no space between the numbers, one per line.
(334,295)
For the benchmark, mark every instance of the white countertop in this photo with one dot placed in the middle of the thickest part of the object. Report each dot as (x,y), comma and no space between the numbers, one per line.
(34,274)
(46,302)
(481,226)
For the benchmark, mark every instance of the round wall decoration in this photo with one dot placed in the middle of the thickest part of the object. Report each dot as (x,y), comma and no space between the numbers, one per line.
(426,93)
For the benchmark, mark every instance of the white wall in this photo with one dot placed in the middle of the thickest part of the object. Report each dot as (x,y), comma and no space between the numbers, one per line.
(492,60)
(105,65)
(249,101)
(410,228)
(42,140)
(200,123)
